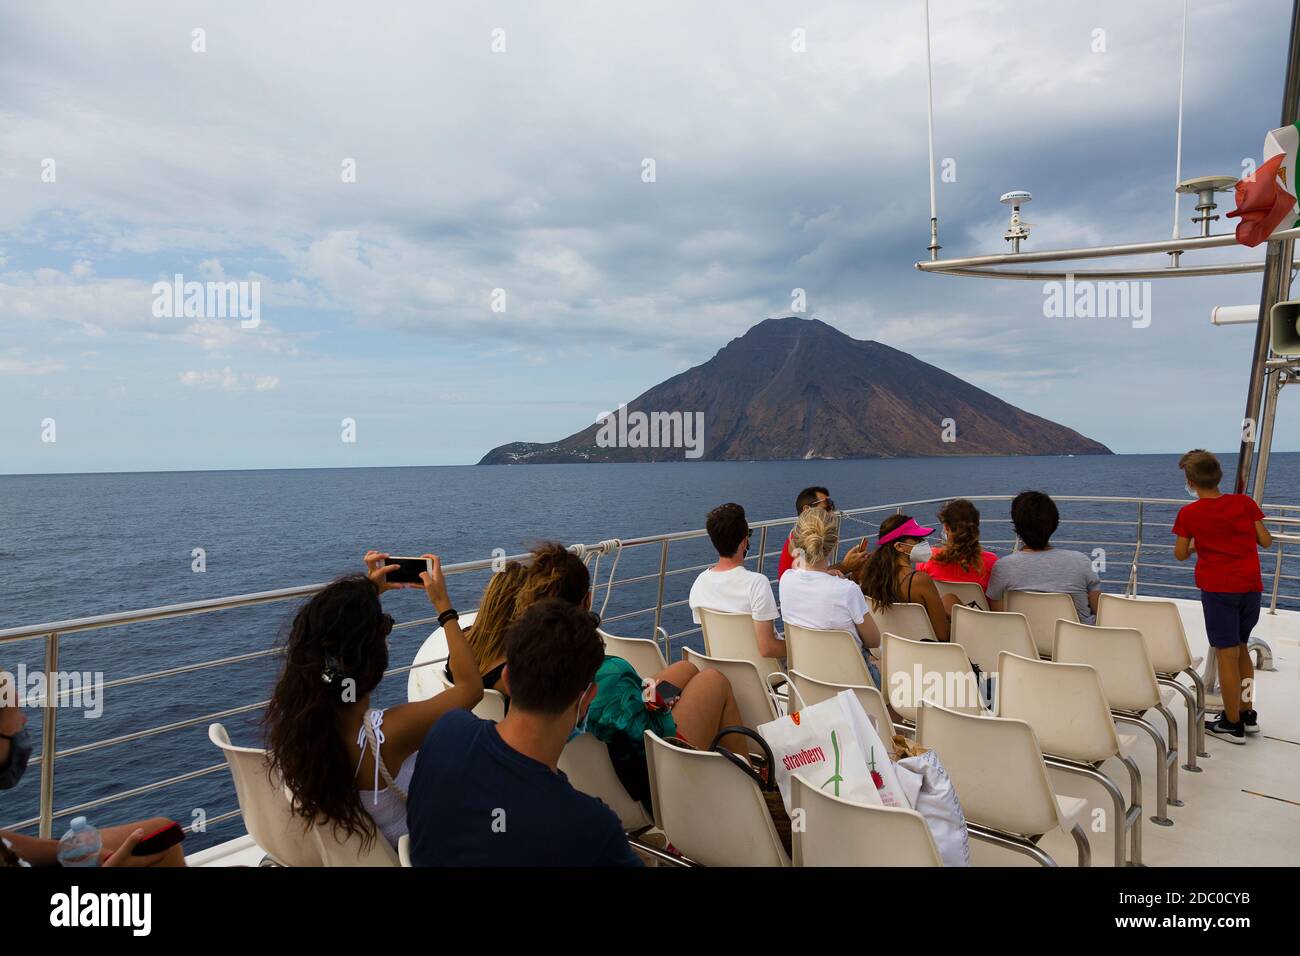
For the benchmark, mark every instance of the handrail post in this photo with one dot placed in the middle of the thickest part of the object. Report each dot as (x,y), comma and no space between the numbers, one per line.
(663,570)
(1132,589)
(48,743)
(1277,577)
(762,547)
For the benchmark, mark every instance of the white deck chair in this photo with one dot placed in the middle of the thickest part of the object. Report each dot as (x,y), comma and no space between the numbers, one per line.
(929,670)
(836,832)
(911,621)
(645,656)
(731,637)
(1042,609)
(967,592)
(1065,705)
(1129,682)
(754,696)
(832,656)
(999,774)
(268,816)
(337,848)
(810,691)
(1162,628)
(986,634)
(404,850)
(710,810)
(585,761)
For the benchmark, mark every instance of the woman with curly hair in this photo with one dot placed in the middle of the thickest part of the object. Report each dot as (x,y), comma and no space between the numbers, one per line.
(326,743)
(961,558)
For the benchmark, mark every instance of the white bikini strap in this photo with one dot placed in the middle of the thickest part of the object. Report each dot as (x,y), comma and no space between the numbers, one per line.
(372,732)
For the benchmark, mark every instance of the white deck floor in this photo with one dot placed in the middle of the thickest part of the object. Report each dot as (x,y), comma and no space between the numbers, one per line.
(1242,810)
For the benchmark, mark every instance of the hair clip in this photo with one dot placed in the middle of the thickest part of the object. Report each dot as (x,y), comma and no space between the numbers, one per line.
(333,670)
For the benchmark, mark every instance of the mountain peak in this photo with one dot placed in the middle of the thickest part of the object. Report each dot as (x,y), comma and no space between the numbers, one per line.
(795,387)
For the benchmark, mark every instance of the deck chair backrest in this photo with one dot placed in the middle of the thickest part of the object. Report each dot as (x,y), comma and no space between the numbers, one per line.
(836,832)
(1042,609)
(267,814)
(1064,703)
(709,809)
(986,634)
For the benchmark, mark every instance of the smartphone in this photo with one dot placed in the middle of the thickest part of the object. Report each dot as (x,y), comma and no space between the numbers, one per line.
(666,694)
(159,840)
(409,572)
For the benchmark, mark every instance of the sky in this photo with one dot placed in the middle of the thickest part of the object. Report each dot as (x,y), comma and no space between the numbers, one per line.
(448,215)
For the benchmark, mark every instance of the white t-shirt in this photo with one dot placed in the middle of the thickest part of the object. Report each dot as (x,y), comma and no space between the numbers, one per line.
(738,591)
(822,601)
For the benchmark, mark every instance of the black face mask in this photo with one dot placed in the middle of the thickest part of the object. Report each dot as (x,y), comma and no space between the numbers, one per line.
(20,751)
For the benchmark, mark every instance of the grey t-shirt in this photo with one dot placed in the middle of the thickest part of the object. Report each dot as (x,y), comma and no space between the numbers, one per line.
(1051,570)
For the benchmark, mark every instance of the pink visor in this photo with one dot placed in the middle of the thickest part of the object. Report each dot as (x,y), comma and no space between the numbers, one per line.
(908,529)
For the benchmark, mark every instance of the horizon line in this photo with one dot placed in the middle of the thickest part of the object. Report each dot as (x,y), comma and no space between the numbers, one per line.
(747,461)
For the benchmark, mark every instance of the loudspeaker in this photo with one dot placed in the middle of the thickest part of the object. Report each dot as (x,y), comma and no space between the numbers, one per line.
(1284,322)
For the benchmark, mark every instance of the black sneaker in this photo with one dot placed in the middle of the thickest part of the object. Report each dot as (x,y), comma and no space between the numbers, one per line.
(1225,730)
(1250,721)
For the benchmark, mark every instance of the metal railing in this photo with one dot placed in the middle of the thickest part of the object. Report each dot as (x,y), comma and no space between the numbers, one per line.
(1283,516)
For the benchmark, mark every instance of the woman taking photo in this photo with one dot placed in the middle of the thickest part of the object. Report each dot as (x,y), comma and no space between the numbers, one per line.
(887,577)
(344,762)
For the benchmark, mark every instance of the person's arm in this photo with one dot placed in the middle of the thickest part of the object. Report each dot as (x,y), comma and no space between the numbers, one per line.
(1184,548)
(12,719)
(853,559)
(769,645)
(763,611)
(1094,599)
(996,587)
(934,607)
(1262,537)
(868,631)
(406,725)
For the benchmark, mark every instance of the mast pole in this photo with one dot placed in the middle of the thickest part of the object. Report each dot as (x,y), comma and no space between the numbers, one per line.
(1276,286)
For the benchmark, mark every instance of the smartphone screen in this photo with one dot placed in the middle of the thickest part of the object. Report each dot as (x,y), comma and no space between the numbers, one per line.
(409,572)
(667,693)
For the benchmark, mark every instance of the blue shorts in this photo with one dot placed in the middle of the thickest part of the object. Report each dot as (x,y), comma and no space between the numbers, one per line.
(1229,618)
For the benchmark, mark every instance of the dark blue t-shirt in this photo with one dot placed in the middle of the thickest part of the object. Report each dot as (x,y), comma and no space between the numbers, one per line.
(475,801)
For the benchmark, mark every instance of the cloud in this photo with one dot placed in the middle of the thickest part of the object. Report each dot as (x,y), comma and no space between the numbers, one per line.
(522,171)
(229,381)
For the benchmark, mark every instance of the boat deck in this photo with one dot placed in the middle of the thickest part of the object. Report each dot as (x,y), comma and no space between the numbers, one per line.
(1242,809)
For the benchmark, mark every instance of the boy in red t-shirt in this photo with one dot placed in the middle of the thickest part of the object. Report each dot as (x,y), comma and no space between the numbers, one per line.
(1225,532)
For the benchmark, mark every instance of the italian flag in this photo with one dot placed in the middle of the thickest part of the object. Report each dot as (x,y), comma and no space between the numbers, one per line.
(1266,204)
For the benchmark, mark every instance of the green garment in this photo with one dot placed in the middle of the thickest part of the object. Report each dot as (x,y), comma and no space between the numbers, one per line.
(618,718)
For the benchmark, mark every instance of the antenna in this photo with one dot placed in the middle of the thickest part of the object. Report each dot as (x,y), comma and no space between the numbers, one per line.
(1016,229)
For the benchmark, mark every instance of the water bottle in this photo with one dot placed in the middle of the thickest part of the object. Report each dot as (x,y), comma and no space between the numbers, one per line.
(80,846)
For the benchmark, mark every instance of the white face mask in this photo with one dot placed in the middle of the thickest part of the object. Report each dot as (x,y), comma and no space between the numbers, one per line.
(922,552)
(1191,492)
